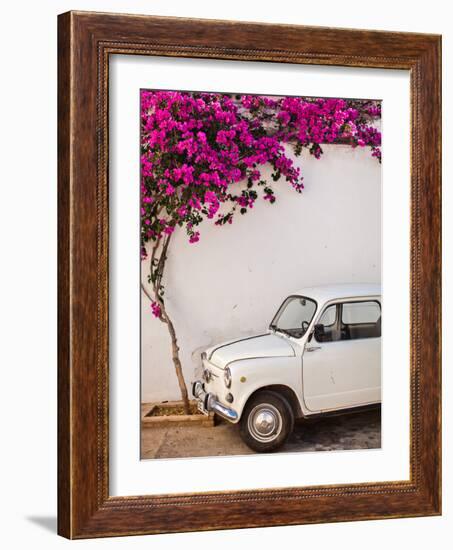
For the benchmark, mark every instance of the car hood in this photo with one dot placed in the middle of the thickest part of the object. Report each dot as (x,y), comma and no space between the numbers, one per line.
(263,345)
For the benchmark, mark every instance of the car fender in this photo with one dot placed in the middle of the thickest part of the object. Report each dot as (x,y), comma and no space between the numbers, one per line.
(250,375)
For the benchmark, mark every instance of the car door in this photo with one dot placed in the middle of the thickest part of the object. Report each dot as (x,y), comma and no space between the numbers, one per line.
(342,361)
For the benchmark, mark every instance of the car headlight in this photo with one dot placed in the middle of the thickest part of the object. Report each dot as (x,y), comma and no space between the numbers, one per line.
(227,377)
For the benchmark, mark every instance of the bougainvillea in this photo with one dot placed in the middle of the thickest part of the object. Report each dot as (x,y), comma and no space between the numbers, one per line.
(203,157)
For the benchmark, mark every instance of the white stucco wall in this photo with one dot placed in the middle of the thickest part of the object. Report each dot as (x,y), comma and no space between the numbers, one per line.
(231,282)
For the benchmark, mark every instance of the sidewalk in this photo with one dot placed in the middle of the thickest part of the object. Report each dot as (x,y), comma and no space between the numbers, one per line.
(353,431)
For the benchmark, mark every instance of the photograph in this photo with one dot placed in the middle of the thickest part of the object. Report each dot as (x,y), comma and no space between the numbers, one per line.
(260,253)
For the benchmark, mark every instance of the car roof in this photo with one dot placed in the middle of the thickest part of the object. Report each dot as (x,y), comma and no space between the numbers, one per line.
(325,293)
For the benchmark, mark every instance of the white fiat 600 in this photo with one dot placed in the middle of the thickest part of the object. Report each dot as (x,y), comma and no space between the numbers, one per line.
(321,355)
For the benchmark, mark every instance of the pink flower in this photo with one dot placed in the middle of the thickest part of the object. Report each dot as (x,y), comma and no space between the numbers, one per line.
(156,310)
(182,211)
(194,238)
(269,197)
(284,117)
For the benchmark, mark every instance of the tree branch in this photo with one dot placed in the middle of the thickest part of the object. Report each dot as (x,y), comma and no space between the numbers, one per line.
(145,291)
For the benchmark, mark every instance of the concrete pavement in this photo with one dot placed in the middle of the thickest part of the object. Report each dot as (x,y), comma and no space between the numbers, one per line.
(352,431)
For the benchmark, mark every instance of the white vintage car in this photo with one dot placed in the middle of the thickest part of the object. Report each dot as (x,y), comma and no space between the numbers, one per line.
(321,354)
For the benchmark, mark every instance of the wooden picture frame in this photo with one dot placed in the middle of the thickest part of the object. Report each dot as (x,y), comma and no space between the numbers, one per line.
(85,42)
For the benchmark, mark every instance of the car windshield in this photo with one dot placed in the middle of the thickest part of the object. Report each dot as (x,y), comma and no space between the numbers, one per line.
(294,316)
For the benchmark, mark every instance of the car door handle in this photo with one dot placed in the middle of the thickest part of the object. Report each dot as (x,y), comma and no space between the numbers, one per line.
(313,348)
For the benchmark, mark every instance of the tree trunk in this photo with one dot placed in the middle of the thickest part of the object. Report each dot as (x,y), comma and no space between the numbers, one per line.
(178,366)
(157,275)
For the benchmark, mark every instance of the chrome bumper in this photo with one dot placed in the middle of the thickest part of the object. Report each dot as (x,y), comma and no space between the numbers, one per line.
(209,402)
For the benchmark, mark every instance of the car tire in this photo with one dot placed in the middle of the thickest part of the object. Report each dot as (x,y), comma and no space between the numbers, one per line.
(266,422)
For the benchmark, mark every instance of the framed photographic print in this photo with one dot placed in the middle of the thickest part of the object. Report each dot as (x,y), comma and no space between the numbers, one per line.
(249,259)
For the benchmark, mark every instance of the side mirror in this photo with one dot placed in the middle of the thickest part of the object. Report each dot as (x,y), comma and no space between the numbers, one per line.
(319,332)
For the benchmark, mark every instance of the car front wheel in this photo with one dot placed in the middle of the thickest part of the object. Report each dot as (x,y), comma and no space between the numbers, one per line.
(266,422)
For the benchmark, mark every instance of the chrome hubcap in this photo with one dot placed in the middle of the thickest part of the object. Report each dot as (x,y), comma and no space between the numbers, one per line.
(265,422)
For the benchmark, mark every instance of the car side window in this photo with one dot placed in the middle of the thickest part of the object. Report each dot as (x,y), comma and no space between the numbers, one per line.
(360,320)
(326,329)
(349,321)
(328,318)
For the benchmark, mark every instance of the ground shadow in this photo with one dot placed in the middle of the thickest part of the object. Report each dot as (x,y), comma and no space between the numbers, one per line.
(49,523)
